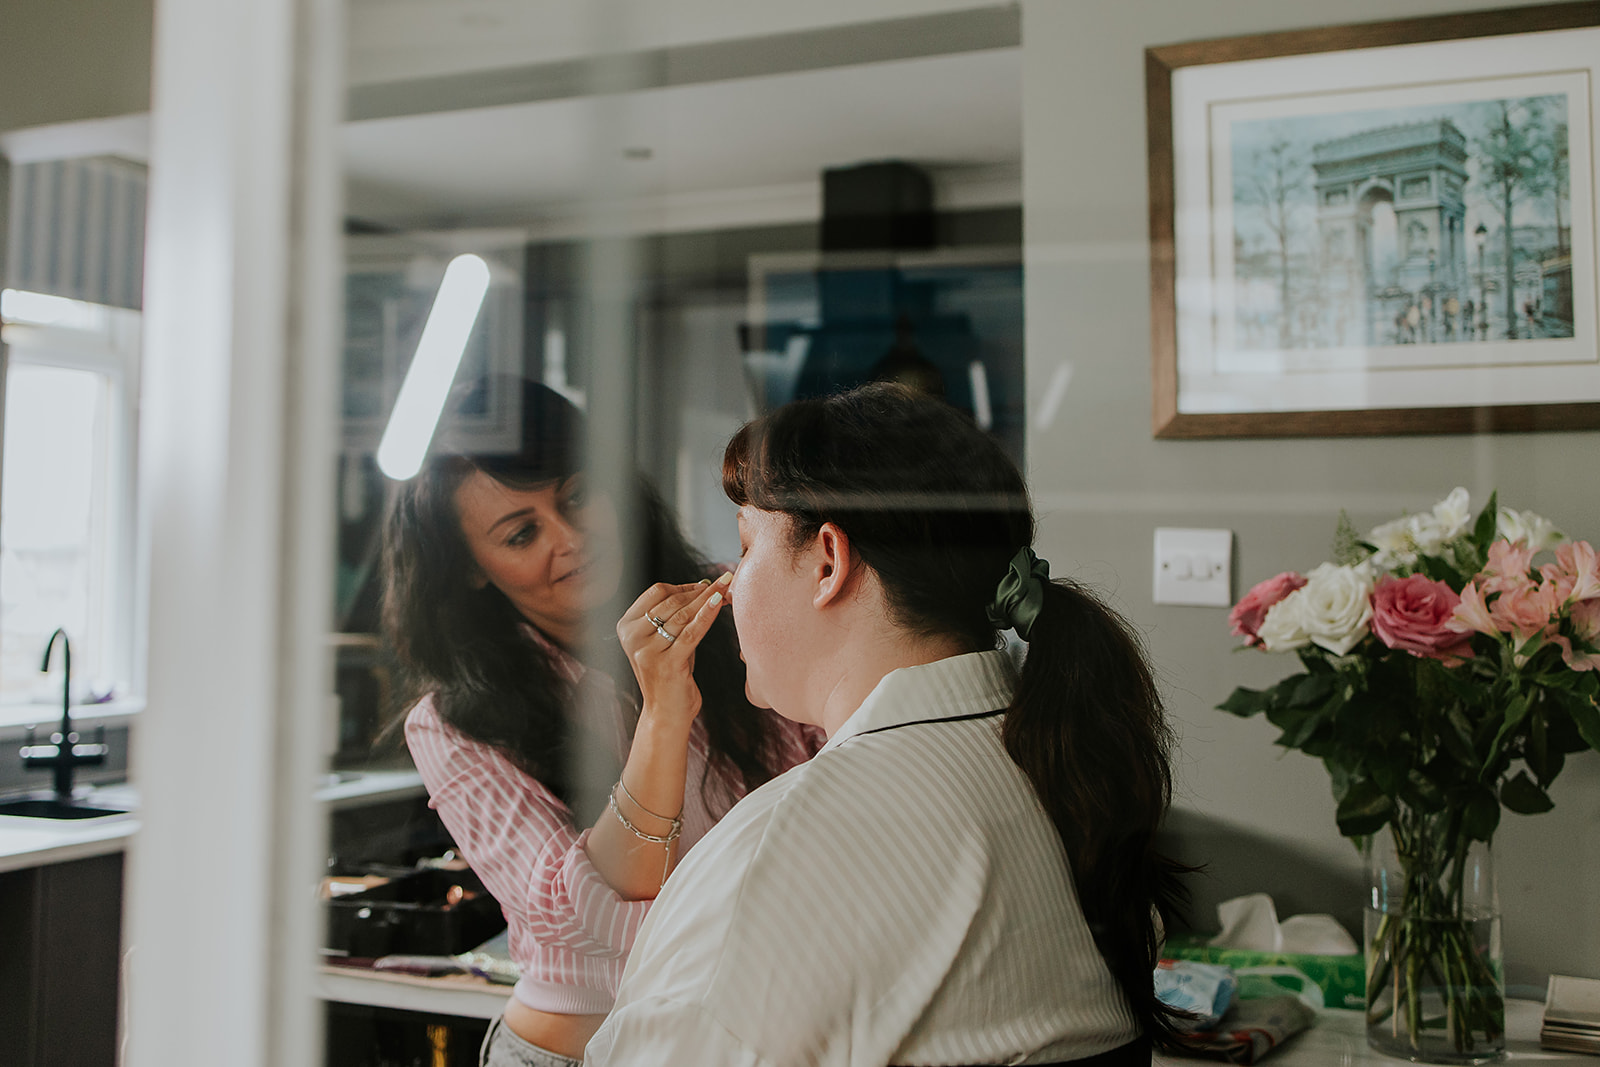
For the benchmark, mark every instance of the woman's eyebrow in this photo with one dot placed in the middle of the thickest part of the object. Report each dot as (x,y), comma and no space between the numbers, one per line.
(509,516)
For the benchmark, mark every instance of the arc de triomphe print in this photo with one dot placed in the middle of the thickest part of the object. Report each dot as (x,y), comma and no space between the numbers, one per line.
(1419,168)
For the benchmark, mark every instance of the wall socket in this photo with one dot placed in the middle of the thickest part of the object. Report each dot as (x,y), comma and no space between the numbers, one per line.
(1194,567)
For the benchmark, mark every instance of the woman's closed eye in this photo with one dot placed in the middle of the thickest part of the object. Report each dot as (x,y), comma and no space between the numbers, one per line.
(522,534)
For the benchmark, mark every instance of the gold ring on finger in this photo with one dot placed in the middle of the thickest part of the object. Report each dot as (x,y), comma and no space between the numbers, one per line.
(657,623)
(664,632)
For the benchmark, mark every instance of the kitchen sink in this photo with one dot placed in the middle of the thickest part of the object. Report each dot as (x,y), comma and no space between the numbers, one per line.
(55,809)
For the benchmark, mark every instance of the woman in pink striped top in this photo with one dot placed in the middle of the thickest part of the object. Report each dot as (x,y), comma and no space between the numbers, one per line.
(494,565)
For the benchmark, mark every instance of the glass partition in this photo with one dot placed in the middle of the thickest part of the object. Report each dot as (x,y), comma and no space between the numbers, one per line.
(683,226)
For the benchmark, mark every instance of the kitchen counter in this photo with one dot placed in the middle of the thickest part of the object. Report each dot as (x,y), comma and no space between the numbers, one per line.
(1338,1039)
(36,842)
(459,995)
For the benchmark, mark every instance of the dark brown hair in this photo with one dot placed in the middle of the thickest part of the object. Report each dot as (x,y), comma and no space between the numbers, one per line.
(937,510)
(468,648)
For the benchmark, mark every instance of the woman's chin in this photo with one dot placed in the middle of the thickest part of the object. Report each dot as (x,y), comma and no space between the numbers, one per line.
(753,697)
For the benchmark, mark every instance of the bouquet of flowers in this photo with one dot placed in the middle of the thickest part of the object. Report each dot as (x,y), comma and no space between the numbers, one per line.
(1444,676)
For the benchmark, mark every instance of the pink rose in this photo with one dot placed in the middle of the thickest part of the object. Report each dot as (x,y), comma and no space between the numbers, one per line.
(1586,628)
(1413,613)
(1575,573)
(1246,616)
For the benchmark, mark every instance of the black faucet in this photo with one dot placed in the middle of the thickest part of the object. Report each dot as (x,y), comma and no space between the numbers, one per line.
(64,752)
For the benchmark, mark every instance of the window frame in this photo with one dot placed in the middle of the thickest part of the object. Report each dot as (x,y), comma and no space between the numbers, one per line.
(110,348)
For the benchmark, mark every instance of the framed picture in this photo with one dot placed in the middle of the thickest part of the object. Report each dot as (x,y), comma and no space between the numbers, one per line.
(389,285)
(1385,228)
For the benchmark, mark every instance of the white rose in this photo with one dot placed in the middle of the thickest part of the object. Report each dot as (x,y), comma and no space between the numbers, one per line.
(1539,532)
(1336,605)
(1280,630)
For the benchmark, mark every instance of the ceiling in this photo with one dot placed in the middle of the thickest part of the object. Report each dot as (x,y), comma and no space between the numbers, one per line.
(404,39)
(745,149)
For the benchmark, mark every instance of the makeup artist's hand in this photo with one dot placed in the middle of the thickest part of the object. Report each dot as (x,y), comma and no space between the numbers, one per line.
(660,633)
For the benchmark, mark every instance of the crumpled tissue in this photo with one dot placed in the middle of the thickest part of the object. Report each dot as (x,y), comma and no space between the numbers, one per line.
(1251,922)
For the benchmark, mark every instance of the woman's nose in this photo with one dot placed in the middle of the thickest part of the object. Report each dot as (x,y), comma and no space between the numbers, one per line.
(569,536)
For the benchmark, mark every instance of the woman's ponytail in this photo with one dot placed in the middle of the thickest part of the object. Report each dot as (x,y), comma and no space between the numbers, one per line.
(1086,727)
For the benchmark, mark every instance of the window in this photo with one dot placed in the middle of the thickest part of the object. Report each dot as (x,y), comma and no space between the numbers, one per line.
(67,554)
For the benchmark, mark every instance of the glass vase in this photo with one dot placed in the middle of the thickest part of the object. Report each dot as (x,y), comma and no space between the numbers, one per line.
(1435,974)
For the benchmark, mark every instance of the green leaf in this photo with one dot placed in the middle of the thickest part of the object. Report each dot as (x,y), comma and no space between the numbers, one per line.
(1523,797)
(1481,816)
(1437,569)
(1545,762)
(1488,519)
(1563,729)
(1364,809)
(1246,702)
(1454,679)
(1586,717)
(1457,740)
(1312,689)
(1388,770)
(1422,793)
(1516,711)
(1290,721)
(1303,732)
(1339,776)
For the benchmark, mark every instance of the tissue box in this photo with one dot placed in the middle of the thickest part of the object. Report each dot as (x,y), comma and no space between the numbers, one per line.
(1341,979)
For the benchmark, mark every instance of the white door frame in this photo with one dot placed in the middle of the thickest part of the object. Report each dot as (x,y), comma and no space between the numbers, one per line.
(238,439)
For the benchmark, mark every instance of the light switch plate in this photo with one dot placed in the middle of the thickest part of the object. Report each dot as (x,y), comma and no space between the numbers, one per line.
(1194,567)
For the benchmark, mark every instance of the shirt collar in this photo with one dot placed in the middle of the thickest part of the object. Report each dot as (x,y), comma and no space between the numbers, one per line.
(968,684)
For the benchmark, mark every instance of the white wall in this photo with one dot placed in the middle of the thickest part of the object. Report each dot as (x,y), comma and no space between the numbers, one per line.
(65,60)
(1263,817)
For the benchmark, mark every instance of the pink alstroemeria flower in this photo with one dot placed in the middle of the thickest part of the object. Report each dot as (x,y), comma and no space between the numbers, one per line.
(1472,614)
(1508,568)
(1526,610)
(1575,573)
(1586,627)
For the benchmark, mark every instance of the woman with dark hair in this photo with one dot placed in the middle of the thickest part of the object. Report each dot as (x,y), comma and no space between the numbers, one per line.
(965,874)
(494,565)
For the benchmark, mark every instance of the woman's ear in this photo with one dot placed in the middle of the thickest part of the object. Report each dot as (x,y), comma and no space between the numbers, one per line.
(834,565)
(477,579)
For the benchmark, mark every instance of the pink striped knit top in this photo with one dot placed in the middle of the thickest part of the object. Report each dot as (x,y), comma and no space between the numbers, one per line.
(568,930)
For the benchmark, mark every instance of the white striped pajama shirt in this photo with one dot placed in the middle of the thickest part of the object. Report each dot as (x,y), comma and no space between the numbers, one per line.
(902,898)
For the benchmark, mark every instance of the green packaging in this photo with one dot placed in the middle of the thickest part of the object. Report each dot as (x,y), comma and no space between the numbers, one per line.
(1339,981)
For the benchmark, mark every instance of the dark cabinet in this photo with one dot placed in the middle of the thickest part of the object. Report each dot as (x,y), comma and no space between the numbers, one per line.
(60,949)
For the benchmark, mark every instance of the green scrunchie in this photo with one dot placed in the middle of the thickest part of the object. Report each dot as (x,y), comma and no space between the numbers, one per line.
(1020,595)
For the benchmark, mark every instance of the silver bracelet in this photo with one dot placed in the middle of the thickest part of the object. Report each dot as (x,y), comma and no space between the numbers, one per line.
(675,820)
(671,835)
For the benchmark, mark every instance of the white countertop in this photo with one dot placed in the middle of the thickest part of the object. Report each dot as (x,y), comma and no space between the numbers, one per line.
(28,842)
(1339,1039)
(36,842)
(467,997)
